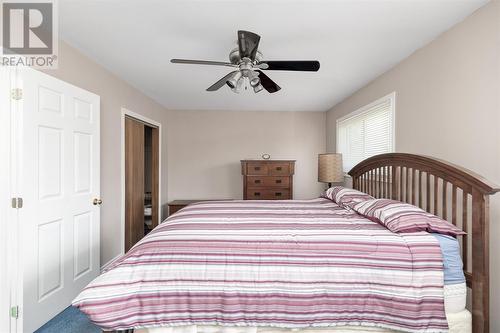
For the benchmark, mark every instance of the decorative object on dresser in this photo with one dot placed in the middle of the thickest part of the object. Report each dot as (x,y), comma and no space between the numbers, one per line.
(267,179)
(330,168)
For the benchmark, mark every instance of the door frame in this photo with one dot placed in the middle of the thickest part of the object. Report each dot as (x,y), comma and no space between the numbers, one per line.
(153,123)
(10,249)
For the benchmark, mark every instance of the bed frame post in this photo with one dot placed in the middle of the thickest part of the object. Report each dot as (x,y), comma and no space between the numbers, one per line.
(480,263)
(395,186)
(355,182)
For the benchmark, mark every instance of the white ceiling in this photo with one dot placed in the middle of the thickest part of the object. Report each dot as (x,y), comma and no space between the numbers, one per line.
(355,41)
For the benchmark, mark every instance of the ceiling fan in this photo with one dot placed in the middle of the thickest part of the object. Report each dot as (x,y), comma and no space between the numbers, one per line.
(247,60)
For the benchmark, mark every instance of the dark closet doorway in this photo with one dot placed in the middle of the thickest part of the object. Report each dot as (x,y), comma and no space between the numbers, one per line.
(141,179)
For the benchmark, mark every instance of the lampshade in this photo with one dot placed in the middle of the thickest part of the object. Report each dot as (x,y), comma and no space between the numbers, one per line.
(330,168)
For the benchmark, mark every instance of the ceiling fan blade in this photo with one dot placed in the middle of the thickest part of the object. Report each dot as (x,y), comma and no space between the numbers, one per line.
(248,43)
(292,65)
(267,83)
(219,84)
(201,62)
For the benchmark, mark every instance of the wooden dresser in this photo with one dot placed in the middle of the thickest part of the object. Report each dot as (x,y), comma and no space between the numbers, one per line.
(267,179)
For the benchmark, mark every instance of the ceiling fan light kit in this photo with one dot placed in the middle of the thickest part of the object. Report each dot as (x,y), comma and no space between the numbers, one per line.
(258,88)
(234,80)
(247,60)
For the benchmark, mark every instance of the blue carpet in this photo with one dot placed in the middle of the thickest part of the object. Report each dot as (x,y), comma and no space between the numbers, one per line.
(71,320)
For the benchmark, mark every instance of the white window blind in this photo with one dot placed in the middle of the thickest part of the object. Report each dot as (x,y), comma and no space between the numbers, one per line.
(366,132)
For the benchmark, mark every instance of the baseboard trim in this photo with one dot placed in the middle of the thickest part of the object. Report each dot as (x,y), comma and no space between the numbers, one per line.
(106,265)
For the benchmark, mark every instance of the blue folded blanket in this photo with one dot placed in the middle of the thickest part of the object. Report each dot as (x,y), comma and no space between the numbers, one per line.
(452,261)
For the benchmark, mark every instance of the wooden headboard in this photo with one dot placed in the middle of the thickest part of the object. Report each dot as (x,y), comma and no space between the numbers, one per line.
(446,190)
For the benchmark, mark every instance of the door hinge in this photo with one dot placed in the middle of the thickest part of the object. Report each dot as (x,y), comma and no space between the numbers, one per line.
(14,312)
(16,94)
(17,202)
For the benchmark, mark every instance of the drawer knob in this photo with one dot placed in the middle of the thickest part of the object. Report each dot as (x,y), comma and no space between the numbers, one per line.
(278,194)
(257,181)
(278,181)
(256,194)
(256,168)
(278,168)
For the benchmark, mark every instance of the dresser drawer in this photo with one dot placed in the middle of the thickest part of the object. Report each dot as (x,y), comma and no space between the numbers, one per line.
(256,168)
(256,193)
(268,181)
(279,169)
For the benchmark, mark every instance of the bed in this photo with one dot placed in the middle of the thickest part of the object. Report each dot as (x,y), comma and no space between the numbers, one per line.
(308,265)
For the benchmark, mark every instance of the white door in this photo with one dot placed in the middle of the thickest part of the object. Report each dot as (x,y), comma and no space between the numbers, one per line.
(59,181)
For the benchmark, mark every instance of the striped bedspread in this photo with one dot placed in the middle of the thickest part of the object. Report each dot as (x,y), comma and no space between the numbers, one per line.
(297,263)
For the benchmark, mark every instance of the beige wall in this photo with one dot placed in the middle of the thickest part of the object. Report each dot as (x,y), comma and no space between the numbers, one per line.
(115,94)
(447,105)
(201,150)
(205,149)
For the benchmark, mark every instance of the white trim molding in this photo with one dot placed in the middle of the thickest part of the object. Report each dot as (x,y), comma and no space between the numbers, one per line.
(391,97)
(10,247)
(5,195)
(110,262)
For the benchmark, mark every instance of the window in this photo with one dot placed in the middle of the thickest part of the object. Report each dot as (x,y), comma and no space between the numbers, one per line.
(366,132)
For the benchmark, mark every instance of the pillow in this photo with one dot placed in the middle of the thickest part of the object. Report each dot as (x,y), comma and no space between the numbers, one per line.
(346,197)
(398,216)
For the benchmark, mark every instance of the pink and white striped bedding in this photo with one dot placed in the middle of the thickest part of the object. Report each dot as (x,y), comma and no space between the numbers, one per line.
(401,217)
(346,197)
(291,264)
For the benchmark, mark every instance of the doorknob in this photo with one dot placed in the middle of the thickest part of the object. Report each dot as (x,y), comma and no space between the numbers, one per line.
(97,202)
